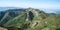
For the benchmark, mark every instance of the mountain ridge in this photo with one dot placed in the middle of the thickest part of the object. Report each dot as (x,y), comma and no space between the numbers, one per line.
(29,19)
(45,10)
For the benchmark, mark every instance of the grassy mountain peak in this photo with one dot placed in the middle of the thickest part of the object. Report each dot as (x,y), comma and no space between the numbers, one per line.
(29,19)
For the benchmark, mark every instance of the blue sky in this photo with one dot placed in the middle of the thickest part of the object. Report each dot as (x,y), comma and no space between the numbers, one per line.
(31,3)
(46,4)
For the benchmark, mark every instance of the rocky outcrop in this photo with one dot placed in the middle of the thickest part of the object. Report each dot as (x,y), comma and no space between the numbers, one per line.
(1,28)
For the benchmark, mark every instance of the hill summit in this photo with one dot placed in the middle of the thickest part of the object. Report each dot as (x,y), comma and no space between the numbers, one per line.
(29,19)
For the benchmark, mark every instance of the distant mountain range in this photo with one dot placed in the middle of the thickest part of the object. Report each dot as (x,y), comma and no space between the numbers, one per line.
(57,11)
(6,8)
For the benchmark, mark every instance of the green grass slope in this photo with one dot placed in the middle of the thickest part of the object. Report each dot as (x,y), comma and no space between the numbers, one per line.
(37,20)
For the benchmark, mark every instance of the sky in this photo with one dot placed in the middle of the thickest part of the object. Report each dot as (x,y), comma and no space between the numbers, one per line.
(46,4)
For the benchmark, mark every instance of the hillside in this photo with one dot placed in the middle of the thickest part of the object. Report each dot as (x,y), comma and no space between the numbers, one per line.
(29,19)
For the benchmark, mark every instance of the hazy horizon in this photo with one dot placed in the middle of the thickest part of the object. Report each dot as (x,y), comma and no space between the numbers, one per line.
(54,5)
(47,4)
